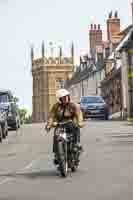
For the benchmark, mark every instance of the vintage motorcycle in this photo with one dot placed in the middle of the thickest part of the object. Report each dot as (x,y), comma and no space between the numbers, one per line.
(67,152)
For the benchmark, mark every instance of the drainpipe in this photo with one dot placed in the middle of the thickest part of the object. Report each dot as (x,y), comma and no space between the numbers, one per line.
(82,87)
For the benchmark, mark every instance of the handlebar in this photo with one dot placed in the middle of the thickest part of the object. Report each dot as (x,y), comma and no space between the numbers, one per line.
(62,123)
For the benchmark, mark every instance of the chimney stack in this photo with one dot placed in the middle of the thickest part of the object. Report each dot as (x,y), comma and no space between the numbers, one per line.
(95,38)
(113,25)
(98,26)
(91,26)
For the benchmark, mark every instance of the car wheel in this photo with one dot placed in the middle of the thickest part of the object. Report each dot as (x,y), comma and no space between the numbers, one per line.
(4,130)
(106,117)
(0,134)
(19,124)
(16,126)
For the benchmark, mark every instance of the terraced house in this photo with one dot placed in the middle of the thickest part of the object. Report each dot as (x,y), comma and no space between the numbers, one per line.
(107,73)
(87,78)
(117,86)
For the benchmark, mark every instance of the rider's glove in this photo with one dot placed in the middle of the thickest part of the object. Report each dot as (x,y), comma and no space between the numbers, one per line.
(76,125)
(47,128)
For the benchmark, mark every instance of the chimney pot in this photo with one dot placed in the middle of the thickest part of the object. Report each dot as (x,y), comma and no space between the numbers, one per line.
(116,14)
(98,26)
(110,14)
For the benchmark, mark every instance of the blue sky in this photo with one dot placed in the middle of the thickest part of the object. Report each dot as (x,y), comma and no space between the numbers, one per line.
(26,22)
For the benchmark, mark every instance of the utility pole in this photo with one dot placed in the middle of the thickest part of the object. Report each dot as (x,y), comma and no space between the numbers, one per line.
(96,82)
(82,87)
(130,75)
(130,82)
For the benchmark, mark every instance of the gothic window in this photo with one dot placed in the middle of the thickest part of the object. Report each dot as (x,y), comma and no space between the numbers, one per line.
(59,83)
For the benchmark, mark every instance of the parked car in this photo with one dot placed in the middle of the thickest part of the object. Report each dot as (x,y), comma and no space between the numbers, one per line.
(3,124)
(8,104)
(0,133)
(94,107)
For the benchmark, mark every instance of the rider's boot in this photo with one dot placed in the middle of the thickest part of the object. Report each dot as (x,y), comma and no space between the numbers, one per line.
(79,147)
(55,160)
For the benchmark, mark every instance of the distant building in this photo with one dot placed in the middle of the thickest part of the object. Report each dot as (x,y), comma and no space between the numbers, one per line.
(101,72)
(49,74)
(113,85)
(86,79)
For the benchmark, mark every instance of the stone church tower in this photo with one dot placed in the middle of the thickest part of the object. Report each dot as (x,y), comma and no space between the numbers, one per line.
(49,74)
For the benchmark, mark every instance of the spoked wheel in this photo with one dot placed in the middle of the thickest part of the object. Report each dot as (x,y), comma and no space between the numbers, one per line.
(5,129)
(62,155)
(0,134)
(64,168)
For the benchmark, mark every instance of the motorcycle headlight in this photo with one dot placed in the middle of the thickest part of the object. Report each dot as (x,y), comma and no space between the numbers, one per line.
(9,114)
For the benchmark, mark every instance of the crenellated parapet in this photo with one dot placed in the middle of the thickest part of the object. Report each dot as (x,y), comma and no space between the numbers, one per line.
(45,60)
(49,72)
(52,60)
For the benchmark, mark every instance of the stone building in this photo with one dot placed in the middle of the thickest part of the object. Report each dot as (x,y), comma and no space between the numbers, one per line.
(83,81)
(95,39)
(49,74)
(86,79)
(113,83)
(117,86)
(104,78)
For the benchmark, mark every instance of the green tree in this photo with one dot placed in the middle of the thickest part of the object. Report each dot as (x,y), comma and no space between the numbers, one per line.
(22,111)
(16,99)
(22,114)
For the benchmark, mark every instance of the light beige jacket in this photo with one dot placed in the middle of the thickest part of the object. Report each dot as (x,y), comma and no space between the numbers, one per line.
(72,111)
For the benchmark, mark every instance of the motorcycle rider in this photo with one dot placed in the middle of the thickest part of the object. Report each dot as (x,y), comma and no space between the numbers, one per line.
(65,109)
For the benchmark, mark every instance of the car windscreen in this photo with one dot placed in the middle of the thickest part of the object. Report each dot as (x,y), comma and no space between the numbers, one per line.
(3,98)
(92,99)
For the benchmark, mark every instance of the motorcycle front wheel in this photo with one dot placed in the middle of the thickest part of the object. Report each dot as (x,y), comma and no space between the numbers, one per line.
(62,156)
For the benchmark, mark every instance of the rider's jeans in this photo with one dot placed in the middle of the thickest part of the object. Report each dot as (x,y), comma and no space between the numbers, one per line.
(76,134)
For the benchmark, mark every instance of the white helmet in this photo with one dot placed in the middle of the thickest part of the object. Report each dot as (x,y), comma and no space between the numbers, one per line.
(61,93)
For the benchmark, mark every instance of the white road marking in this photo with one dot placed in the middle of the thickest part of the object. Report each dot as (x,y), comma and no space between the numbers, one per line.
(35,163)
(5,181)
(30,165)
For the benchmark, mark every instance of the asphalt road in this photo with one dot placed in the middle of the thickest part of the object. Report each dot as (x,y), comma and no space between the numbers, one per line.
(105,172)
